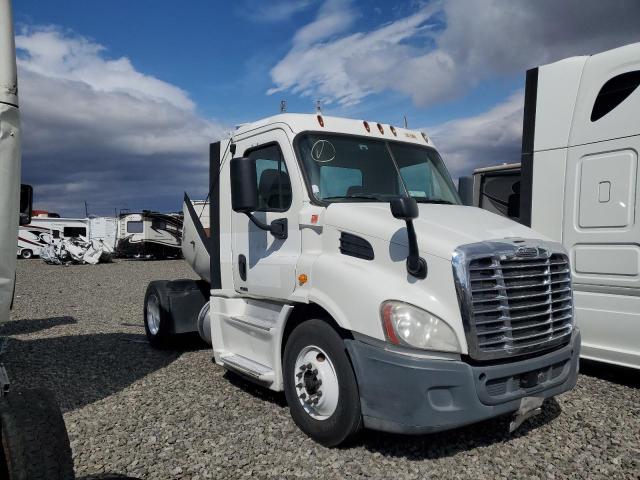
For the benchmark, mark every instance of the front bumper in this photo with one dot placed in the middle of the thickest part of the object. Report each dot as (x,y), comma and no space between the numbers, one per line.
(405,394)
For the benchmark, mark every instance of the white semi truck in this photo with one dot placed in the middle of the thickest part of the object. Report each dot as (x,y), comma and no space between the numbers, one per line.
(340,267)
(34,442)
(578,184)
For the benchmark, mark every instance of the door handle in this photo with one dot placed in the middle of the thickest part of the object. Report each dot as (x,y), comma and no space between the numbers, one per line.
(242,267)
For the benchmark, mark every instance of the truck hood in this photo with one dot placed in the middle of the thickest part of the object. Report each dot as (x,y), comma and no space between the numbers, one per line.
(440,228)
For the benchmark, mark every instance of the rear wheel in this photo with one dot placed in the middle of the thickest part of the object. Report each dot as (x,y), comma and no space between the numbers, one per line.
(156,316)
(26,254)
(320,385)
(35,444)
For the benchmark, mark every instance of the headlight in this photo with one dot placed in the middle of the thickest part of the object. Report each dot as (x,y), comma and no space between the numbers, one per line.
(405,324)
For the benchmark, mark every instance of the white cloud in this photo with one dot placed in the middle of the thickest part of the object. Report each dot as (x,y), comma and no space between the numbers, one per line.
(446,47)
(490,138)
(272,11)
(96,129)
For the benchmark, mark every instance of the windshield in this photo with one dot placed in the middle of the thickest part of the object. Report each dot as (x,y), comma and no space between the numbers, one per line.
(342,168)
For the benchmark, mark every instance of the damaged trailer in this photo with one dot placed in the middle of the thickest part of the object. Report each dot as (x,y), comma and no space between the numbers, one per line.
(149,235)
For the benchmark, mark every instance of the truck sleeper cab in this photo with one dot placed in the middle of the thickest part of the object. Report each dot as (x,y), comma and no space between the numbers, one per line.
(341,269)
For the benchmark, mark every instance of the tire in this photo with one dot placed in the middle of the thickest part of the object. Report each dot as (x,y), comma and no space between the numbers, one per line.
(156,315)
(35,444)
(334,419)
(26,254)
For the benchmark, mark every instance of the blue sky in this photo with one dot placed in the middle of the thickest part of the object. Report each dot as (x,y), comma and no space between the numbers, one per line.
(120,98)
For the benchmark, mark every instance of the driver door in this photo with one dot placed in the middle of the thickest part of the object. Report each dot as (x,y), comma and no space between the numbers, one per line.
(262,264)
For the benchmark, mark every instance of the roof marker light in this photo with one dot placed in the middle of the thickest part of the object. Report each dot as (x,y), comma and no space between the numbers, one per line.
(366,126)
(381,129)
(320,120)
(393,130)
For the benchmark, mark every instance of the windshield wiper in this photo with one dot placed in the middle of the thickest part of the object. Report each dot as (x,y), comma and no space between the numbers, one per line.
(360,196)
(434,200)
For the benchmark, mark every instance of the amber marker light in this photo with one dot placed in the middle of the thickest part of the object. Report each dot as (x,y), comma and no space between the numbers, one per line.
(302,278)
(320,120)
(386,322)
(366,126)
(393,130)
(380,129)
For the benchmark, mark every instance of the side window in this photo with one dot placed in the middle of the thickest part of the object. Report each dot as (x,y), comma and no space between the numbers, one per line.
(274,185)
(56,233)
(614,92)
(74,231)
(340,181)
(134,227)
(158,224)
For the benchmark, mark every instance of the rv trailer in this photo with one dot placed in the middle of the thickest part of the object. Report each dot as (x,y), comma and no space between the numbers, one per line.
(341,268)
(578,184)
(34,438)
(32,239)
(149,235)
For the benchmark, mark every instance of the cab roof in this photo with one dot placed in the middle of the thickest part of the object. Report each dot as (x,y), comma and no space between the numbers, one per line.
(304,122)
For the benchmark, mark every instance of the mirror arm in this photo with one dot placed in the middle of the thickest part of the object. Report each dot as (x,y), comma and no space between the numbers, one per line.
(278,228)
(416,265)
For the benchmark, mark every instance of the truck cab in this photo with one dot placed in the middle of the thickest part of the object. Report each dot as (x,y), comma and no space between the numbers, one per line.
(340,267)
(578,184)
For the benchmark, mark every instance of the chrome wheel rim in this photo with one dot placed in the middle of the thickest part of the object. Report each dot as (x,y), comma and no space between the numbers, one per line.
(153,314)
(316,382)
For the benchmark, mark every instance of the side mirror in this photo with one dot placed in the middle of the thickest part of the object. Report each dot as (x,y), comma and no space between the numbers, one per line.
(465,190)
(406,208)
(26,204)
(244,193)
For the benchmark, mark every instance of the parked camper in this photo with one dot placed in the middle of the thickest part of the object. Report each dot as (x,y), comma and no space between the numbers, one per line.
(34,438)
(31,240)
(579,184)
(149,235)
(62,228)
(341,269)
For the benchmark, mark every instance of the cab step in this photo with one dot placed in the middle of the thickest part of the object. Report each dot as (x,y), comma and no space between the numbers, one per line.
(248,367)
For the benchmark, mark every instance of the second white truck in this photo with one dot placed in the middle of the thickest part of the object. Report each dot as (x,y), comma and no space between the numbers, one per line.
(339,266)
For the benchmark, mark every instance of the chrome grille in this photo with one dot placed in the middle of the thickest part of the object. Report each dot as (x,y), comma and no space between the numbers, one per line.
(515,303)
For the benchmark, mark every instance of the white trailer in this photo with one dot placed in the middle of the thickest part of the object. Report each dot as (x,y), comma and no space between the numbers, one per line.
(34,438)
(578,184)
(62,228)
(341,268)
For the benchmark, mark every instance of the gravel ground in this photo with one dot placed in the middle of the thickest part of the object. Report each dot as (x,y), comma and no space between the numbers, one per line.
(132,411)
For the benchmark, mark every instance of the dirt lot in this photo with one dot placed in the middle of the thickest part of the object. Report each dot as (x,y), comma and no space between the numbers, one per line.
(132,411)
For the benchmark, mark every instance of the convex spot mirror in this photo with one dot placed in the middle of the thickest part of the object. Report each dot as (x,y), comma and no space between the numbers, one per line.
(26,204)
(404,208)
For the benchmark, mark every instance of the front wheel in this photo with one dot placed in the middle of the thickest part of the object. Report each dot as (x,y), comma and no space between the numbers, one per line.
(26,254)
(35,444)
(320,385)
